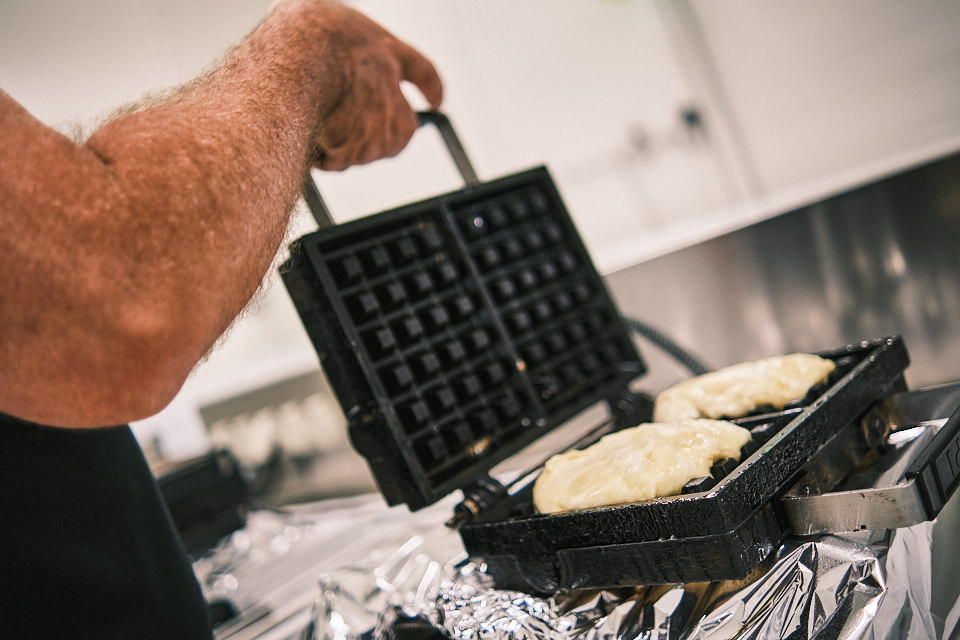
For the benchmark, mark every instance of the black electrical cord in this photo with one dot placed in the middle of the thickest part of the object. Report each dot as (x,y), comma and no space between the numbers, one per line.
(667,345)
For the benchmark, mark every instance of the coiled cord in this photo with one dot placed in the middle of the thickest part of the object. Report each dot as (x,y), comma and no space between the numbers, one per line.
(668,346)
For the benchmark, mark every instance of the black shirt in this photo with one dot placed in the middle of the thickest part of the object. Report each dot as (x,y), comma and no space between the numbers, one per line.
(87,548)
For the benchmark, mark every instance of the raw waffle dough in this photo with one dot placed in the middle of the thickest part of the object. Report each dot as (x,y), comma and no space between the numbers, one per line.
(640,463)
(735,391)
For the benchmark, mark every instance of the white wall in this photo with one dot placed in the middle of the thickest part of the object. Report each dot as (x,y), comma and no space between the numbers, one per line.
(822,88)
(74,62)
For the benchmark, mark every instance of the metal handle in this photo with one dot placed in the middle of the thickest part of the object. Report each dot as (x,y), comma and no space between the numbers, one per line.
(318,208)
(928,482)
(452,142)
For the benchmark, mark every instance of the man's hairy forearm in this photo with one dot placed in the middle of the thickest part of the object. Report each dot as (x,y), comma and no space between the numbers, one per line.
(134,251)
(208,178)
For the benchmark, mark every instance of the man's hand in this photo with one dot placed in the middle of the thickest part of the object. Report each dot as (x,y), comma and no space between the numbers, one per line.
(370,118)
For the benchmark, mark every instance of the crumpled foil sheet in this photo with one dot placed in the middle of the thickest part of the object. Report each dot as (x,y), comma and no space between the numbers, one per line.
(867,586)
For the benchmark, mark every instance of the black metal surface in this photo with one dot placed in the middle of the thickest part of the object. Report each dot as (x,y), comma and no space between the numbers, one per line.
(207,499)
(937,469)
(457,330)
(452,142)
(720,533)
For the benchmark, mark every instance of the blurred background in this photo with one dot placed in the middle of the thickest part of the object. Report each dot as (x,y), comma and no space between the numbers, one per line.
(668,126)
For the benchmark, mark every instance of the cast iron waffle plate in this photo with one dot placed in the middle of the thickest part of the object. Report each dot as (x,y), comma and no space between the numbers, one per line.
(457,330)
(722,530)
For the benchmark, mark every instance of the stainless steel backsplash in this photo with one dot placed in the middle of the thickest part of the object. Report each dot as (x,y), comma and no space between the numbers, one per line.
(878,260)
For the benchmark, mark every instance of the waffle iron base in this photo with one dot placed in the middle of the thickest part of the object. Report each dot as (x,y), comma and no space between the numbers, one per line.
(720,533)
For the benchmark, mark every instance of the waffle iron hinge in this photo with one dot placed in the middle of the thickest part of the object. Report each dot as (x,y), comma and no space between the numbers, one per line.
(482,495)
(630,408)
(489,496)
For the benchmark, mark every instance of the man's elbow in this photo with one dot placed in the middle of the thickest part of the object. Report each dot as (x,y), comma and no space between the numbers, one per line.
(130,374)
(148,370)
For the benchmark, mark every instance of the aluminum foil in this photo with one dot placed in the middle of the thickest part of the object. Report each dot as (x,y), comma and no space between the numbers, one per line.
(868,586)
(357,569)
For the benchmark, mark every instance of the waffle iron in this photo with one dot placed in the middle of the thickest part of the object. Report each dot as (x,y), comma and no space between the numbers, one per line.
(457,330)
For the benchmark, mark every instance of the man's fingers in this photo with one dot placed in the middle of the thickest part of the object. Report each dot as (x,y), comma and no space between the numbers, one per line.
(420,72)
(374,120)
(332,162)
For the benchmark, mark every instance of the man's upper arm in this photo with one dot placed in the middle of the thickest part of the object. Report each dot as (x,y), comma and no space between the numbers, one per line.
(57,200)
